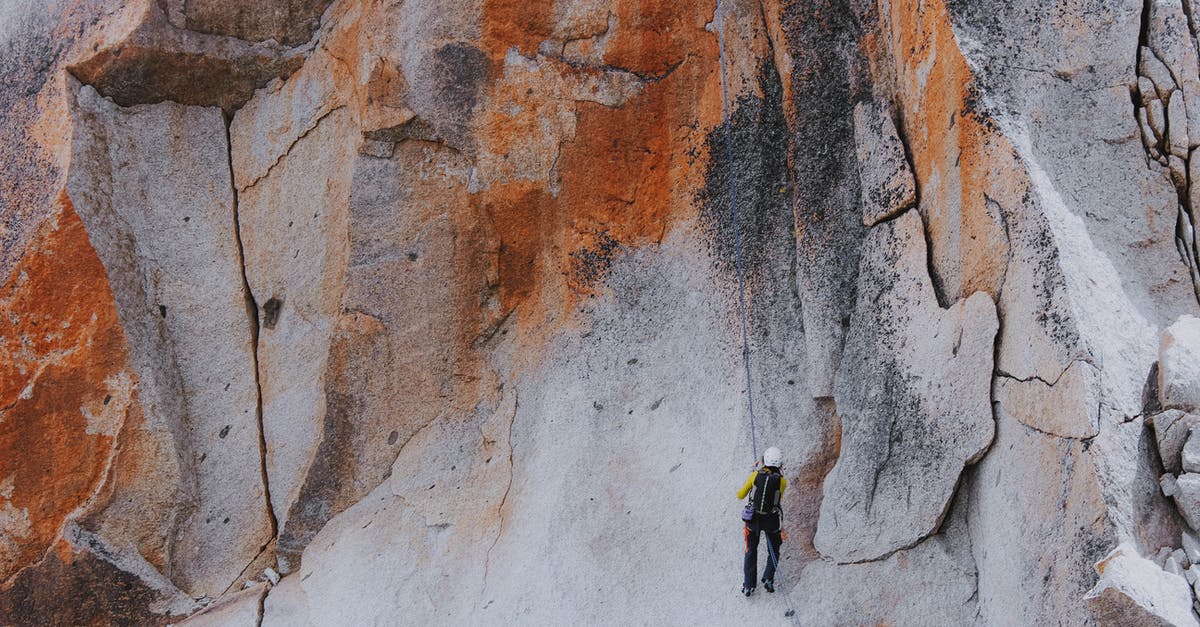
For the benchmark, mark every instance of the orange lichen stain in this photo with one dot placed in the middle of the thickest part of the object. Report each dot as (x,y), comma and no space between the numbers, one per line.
(654,36)
(520,213)
(617,176)
(958,157)
(62,347)
(523,25)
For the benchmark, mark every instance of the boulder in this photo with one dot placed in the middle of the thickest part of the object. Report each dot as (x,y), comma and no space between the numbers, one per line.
(1190,456)
(1179,364)
(1133,591)
(1172,429)
(1191,546)
(1187,498)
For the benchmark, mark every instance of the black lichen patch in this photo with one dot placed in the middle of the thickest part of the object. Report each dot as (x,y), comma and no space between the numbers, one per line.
(758,163)
(457,74)
(87,591)
(323,494)
(271,312)
(591,264)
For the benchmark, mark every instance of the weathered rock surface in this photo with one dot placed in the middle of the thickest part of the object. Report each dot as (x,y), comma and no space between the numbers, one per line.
(175,251)
(884,174)
(913,399)
(1179,365)
(1172,430)
(437,309)
(1134,591)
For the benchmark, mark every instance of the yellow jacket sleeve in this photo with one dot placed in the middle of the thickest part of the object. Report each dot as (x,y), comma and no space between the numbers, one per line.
(750,484)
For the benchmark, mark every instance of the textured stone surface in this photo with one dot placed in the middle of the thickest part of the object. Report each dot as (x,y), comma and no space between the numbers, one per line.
(1179,365)
(913,399)
(181,291)
(1172,430)
(884,174)
(478,263)
(1134,591)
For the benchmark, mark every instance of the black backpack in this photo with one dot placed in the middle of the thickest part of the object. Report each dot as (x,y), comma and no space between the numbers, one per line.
(765,496)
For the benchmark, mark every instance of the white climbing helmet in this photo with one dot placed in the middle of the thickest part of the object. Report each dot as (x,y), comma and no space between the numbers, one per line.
(772,457)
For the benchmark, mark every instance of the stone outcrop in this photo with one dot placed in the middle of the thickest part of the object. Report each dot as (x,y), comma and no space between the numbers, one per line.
(912,394)
(1134,591)
(454,311)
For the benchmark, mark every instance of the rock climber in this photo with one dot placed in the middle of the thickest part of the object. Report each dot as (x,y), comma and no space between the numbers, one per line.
(762,514)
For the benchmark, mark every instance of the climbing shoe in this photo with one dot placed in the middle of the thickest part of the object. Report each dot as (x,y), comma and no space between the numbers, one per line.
(747,591)
(769,585)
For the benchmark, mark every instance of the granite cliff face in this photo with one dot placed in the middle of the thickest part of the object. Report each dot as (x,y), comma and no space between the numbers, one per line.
(432,309)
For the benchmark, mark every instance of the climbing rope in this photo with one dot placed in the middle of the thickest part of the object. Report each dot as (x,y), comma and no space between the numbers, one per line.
(737,232)
(737,249)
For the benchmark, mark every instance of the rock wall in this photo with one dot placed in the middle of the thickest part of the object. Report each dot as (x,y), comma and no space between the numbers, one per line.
(371,312)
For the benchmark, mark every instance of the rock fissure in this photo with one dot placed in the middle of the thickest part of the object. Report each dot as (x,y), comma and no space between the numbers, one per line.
(1049,383)
(504,498)
(316,123)
(255,333)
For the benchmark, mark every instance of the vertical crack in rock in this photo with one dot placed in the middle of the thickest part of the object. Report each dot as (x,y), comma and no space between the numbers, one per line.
(503,499)
(252,309)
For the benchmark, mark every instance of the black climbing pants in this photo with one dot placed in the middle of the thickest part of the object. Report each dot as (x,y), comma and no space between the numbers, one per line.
(768,524)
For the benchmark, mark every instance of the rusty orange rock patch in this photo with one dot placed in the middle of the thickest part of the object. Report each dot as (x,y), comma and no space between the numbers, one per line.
(64,384)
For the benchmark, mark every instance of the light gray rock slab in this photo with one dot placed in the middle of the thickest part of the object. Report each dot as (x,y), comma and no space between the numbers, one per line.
(1153,69)
(1187,498)
(1190,456)
(1149,140)
(1179,364)
(1146,91)
(1014,527)
(1191,546)
(1178,169)
(1133,591)
(887,184)
(1156,116)
(1177,124)
(1167,483)
(913,394)
(286,605)
(294,233)
(1052,406)
(152,185)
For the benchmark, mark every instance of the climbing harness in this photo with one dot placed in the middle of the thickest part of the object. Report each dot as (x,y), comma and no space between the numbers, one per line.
(737,249)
